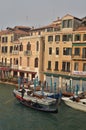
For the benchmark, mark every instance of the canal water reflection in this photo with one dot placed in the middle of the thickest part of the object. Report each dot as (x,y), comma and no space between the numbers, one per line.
(15,116)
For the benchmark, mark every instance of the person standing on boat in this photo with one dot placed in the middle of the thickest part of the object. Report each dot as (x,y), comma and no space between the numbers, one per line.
(23,90)
(66,87)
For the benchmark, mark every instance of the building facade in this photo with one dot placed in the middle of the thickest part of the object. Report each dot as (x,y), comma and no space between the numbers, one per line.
(55,52)
(62,63)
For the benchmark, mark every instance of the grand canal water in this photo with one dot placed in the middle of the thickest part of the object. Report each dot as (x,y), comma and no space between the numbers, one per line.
(15,116)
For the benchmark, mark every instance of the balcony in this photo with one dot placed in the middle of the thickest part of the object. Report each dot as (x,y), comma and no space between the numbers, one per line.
(27,53)
(4,64)
(15,67)
(15,52)
(79,57)
(64,70)
(48,68)
(84,56)
(56,69)
(76,56)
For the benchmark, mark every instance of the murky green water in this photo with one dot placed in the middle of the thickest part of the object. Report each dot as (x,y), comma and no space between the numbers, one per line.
(15,116)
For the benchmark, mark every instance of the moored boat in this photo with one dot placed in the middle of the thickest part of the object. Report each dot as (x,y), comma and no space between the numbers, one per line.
(67,94)
(41,103)
(75,103)
(48,94)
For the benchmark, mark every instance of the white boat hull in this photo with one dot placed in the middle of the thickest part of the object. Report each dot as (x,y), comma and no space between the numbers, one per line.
(73,104)
(46,105)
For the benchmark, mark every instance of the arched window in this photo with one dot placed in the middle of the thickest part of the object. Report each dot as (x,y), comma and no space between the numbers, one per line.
(37,46)
(14,47)
(21,47)
(17,47)
(28,46)
(28,61)
(36,62)
(2,60)
(5,61)
(20,61)
(14,61)
(10,61)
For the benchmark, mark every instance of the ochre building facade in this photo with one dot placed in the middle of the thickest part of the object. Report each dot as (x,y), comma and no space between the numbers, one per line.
(56,51)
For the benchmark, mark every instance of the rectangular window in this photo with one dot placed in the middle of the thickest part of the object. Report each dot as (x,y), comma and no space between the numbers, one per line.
(77,37)
(10,61)
(2,60)
(36,62)
(20,61)
(5,61)
(56,65)
(37,46)
(12,38)
(11,48)
(67,23)
(66,66)
(64,23)
(84,53)
(57,38)
(84,66)
(67,51)
(57,51)
(77,51)
(76,66)
(67,37)
(49,65)
(70,23)
(39,33)
(3,50)
(50,38)
(50,29)
(4,39)
(70,37)
(6,48)
(84,37)
(64,38)
(50,51)
(57,28)
(27,61)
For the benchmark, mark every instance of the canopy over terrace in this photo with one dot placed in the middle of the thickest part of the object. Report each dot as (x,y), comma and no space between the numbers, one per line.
(24,73)
(5,68)
(4,72)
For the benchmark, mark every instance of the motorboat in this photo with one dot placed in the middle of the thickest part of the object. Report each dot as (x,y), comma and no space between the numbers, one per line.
(75,102)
